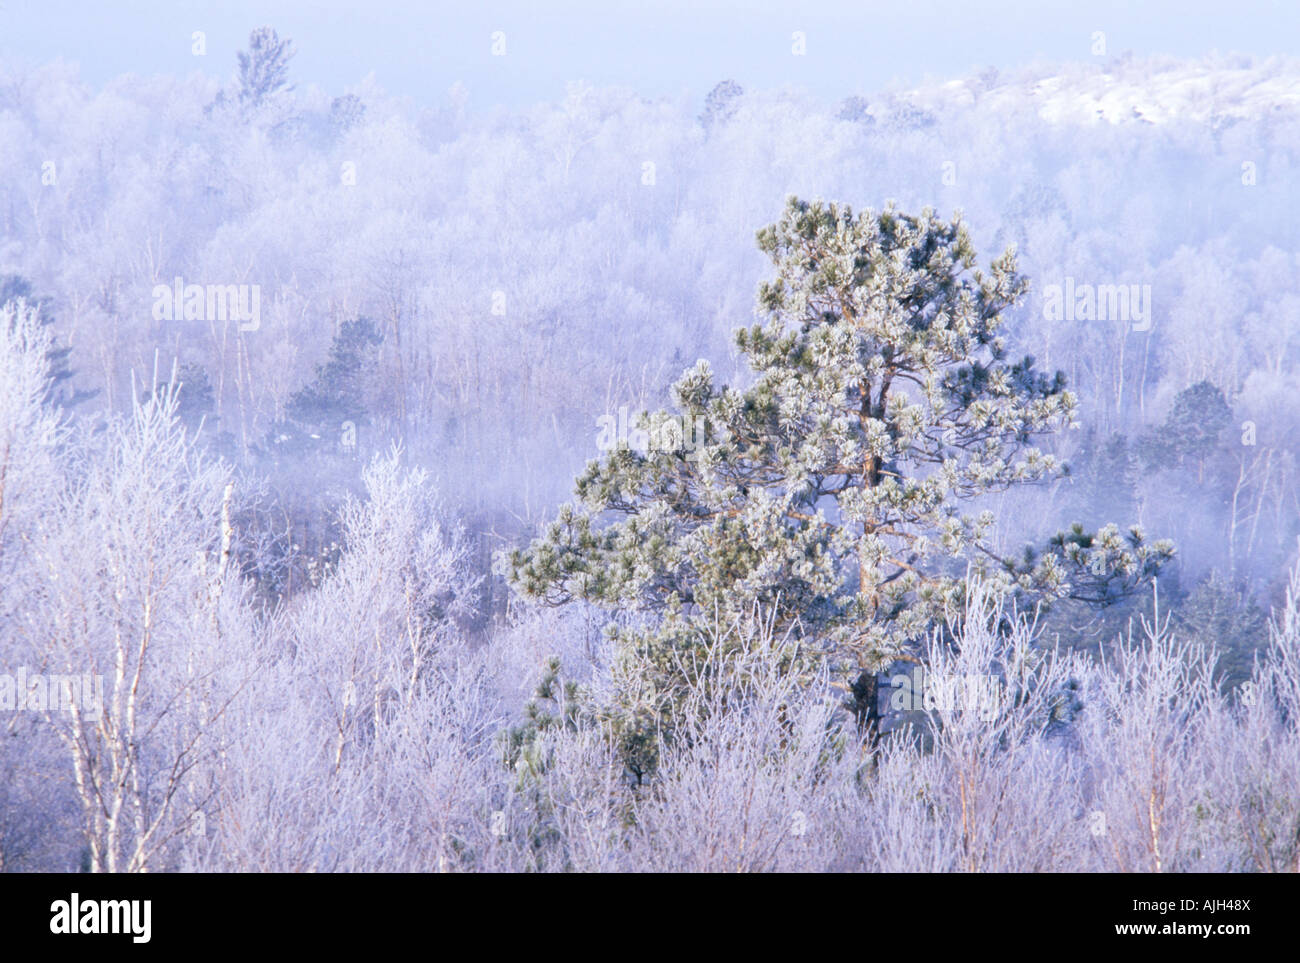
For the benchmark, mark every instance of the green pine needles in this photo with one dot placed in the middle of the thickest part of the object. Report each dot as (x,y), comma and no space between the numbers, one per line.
(838,493)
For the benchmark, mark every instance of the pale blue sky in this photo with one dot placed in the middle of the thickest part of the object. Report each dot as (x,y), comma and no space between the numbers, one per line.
(661,48)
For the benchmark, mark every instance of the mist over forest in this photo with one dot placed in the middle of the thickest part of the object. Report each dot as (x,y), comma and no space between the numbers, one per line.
(296,384)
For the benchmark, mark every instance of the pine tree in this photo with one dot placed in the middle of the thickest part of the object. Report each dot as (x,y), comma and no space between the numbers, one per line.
(336,396)
(1223,614)
(837,492)
(721,104)
(856,110)
(264,69)
(346,112)
(1190,434)
(317,439)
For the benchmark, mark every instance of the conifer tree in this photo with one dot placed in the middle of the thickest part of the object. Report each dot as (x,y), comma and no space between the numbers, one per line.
(264,68)
(841,491)
(1222,614)
(338,394)
(1192,431)
(721,104)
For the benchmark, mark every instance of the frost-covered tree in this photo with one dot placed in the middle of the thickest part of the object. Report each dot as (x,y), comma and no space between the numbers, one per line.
(721,104)
(841,489)
(856,110)
(133,592)
(1191,432)
(1139,733)
(1222,613)
(264,67)
(37,807)
(346,112)
(995,705)
(29,430)
(338,394)
(16,289)
(368,741)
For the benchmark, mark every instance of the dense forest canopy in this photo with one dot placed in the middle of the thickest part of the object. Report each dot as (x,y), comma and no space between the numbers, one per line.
(291,379)
(533,270)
